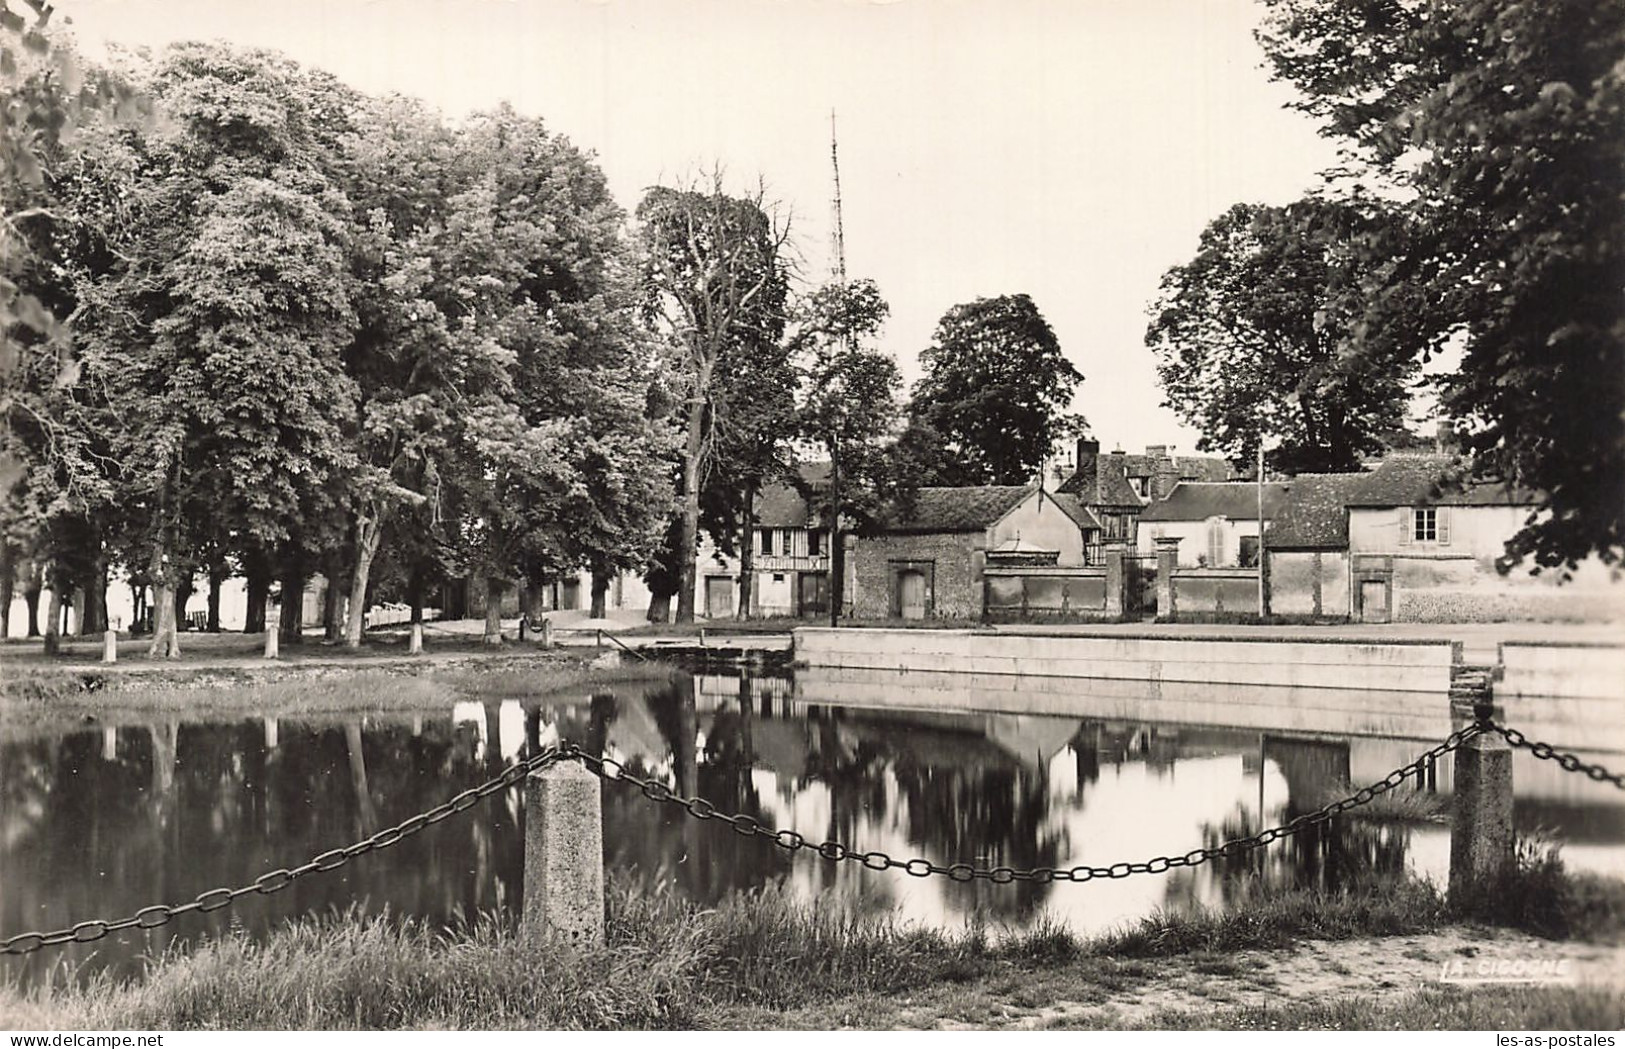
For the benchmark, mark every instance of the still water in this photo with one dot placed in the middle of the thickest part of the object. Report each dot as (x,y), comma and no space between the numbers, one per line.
(105,819)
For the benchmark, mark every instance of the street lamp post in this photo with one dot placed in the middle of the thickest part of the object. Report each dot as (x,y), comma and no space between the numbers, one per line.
(1261,528)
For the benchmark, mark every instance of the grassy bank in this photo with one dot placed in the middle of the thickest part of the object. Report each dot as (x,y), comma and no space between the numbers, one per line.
(762,960)
(362,686)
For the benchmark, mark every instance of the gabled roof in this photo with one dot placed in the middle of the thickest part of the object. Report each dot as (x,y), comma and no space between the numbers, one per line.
(1186,467)
(1315,513)
(1075,509)
(1110,489)
(955,509)
(1200,500)
(783,506)
(1432,480)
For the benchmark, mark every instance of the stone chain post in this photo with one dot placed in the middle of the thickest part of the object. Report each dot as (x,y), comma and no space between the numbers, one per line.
(1482,848)
(564,857)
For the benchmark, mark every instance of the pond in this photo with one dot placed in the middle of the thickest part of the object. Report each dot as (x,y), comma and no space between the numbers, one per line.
(104,819)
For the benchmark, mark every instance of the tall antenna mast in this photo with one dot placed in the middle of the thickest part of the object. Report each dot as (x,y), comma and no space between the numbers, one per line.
(840,232)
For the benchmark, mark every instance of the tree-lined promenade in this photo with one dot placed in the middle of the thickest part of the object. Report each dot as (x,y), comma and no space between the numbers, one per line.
(257,323)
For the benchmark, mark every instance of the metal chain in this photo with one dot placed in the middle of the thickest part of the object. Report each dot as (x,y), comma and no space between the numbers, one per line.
(1570,763)
(277,880)
(791,841)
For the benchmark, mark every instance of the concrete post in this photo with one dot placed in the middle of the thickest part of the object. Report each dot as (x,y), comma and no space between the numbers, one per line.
(270,638)
(1167,561)
(1481,836)
(547,633)
(110,646)
(1116,580)
(414,645)
(564,858)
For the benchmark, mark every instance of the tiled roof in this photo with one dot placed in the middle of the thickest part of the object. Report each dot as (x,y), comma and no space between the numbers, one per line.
(1199,500)
(1315,513)
(784,505)
(1111,488)
(1432,480)
(1186,467)
(956,509)
(1075,509)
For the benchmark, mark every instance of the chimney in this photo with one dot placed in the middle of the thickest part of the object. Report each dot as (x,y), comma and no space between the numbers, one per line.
(1164,475)
(1156,451)
(1444,440)
(1088,469)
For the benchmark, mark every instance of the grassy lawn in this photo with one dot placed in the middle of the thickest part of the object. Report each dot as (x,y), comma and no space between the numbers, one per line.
(763,960)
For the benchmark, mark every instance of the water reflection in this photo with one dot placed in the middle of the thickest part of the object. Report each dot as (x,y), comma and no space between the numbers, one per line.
(103,821)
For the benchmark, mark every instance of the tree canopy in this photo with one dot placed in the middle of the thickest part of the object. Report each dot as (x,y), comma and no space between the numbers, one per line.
(1258,338)
(1501,126)
(996,389)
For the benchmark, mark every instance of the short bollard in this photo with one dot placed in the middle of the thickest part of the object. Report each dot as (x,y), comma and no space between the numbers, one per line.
(564,857)
(110,646)
(547,633)
(271,643)
(415,645)
(1481,835)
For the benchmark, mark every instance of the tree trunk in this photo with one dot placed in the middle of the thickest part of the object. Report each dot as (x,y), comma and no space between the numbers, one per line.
(31,595)
(138,607)
(600,587)
(368,531)
(8,587)
(183,595)
(217,579)
(53,620)
(95,617)
(493,611)
(837,551)
(258,577)
(331,630)
(747,556)
(659,606)
(166,639)
(415,594)
(688,531)
(290,628)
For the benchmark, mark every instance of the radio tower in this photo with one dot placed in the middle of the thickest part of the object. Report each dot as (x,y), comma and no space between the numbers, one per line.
(840,232)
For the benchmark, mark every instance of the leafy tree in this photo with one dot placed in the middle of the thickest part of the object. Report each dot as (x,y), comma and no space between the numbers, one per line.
(715,283)
(1502,122)
(1259,336)
(849,406)
(212,324)
(996,388)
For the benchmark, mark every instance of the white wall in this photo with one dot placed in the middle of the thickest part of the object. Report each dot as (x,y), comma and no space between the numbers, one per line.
(1039,521)
(1193,539)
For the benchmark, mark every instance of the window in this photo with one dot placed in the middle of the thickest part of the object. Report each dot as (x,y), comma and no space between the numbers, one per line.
(765,535)
(1425,525)
(778,577)
(1215,541)
(815,543)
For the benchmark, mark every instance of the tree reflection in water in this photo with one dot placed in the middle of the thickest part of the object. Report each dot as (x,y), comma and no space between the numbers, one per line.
(105,820)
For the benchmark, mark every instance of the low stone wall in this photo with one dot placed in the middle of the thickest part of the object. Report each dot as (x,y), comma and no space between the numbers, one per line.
(1215,593)
(1046,592)
(1313,583)
(1583,671)
(1337,712)
(1415,667)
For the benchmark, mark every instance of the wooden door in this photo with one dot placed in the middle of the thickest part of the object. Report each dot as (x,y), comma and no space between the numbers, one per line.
(1373,601)
(719,597)
(911,594)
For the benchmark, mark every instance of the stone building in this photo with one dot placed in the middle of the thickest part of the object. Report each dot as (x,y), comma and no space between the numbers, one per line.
(926,559)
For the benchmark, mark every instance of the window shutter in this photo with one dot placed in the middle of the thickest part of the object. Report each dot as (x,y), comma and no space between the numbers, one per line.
(1407,523)
(1442,522)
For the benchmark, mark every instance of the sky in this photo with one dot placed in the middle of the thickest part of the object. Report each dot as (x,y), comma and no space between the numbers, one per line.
(1072,150)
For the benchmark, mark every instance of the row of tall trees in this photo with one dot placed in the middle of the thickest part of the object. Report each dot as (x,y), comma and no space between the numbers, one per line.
(1476,212)
(259,323)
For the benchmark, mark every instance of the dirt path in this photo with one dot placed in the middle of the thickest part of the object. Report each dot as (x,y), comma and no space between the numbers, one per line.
(1123,992)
